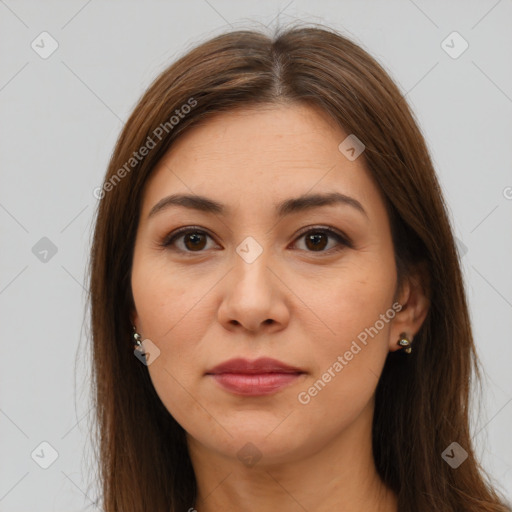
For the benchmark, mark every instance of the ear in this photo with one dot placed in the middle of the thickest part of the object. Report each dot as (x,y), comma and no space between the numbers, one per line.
(414,297)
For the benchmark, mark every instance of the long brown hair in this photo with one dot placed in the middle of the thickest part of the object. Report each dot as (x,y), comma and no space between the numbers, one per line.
(422,399)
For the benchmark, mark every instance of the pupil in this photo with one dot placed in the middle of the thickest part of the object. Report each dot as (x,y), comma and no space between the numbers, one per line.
(195,240)
(316,239)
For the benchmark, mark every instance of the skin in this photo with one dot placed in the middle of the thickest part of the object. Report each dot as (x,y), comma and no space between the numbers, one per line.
(293,303)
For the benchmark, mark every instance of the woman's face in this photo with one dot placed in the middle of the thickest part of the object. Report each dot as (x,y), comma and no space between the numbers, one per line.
(261,276)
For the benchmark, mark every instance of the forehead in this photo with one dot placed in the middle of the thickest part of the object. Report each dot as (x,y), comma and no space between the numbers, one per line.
(263,154)
(261,134)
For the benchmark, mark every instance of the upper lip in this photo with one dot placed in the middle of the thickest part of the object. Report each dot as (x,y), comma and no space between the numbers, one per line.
(261,365)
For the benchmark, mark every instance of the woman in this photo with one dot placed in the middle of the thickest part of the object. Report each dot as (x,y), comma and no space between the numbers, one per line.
(273,247)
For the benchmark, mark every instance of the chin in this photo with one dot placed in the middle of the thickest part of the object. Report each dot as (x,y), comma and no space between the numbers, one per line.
(258,443)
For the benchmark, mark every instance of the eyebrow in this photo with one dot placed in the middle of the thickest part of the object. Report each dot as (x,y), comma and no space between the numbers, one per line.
(287,207)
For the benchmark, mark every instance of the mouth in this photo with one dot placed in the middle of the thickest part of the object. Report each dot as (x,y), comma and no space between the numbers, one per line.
(263,376)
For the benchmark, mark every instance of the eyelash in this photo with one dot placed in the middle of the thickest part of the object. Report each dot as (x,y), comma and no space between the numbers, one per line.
(340,238)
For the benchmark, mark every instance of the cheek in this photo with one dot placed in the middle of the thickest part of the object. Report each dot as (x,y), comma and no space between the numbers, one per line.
(164,298)
(171,313)
(348,360)
(171,321)
(175,321)
(352,300)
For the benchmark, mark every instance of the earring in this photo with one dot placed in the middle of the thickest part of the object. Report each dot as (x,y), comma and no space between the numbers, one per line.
(137,338)
(405,343)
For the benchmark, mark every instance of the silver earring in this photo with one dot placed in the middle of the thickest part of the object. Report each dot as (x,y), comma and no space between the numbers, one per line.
(137,337)
(405,343)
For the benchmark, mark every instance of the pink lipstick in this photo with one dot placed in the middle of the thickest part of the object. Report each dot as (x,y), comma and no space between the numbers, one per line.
(262,376)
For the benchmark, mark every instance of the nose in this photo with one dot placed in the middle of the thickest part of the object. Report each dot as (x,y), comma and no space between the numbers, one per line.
(254,297)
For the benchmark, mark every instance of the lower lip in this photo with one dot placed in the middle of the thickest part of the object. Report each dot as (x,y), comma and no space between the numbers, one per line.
(255,384)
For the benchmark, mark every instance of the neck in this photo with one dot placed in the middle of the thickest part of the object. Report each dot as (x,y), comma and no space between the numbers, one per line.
(341,472)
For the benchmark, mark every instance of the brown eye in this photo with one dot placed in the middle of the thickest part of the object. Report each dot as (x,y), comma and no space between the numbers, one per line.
(317,240)
(194,241)
(187,240)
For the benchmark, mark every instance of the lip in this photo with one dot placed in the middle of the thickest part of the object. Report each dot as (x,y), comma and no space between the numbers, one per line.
(261,365)
(262,376)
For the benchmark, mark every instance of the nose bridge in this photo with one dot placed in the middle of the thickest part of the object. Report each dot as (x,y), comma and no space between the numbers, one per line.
(251,297)
(251,272)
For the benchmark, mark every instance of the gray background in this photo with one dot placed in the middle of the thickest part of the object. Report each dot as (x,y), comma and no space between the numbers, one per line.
(61,117)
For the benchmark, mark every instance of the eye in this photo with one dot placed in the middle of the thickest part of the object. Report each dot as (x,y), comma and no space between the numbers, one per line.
(317,239)
(192,240)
